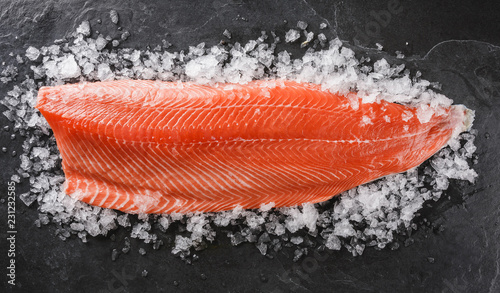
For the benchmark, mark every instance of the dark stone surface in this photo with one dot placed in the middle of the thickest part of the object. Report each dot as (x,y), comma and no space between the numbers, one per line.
(462,257)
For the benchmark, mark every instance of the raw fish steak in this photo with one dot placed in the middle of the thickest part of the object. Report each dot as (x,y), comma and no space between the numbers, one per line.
(160,147)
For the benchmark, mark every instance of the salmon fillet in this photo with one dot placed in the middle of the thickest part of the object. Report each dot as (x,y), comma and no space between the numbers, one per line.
(163,147)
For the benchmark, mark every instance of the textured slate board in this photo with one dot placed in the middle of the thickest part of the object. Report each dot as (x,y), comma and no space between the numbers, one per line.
(465,251)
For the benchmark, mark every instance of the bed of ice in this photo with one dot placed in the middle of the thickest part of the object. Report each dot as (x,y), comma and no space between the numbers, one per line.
(369,215)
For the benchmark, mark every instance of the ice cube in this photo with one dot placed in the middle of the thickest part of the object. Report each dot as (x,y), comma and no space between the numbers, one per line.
(113,14)
(227,34)
(32,53)
(68,68)
(292,35)
(84,28)
(302,25)
(104,72)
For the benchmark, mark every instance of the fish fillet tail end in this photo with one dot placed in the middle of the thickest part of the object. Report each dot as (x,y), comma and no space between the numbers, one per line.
(463,117)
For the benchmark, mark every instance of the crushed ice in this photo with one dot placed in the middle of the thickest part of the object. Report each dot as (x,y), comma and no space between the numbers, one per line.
(368,215)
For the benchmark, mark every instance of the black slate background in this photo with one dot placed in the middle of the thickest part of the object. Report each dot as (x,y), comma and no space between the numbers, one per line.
(465,251)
